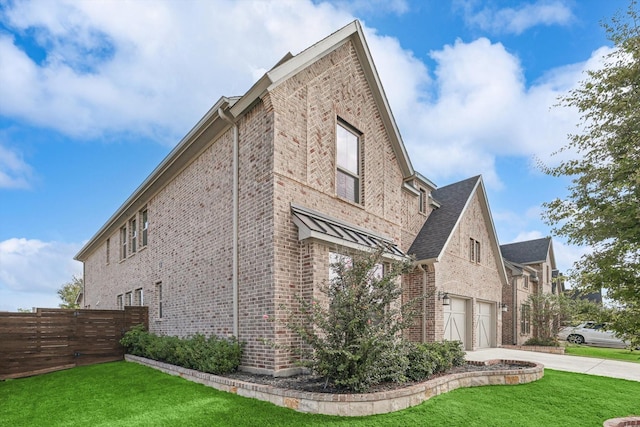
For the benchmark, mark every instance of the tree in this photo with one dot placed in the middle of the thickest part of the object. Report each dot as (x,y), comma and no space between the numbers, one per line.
(68,292)
(601,208)
(353,332)
(548,312)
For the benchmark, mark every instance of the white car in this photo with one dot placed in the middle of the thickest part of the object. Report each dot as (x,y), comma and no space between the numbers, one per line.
(591,333)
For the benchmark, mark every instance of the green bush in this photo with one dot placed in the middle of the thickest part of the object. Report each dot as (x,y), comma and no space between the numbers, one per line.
(213,355)
(547,342)
(427,359)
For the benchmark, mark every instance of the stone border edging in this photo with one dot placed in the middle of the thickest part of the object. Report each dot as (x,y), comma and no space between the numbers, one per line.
(623,422)
(356,404)
(536,348)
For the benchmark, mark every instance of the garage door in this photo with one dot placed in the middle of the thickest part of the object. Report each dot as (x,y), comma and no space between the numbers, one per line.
(455,321)
(486,325)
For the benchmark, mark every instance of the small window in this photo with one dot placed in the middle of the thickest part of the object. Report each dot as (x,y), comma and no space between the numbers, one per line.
(525,319)
(145,226)
(133,226)
(474,251)
(127,299)
(119,302)
(108,249)
(123,242)
(160,299)
(138,297)
(423,201)
(348,164)
(525,284)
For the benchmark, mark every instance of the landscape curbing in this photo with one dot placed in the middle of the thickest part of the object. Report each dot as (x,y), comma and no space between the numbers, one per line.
(357,404)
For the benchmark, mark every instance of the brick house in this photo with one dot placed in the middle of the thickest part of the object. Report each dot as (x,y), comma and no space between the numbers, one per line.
(248,210)
(531,268)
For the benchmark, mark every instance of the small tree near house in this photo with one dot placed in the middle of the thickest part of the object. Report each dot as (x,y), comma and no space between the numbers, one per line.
(353,335)
(548,312)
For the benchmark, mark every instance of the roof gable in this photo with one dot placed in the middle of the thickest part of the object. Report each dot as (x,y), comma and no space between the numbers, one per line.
(437,231)
(528,252)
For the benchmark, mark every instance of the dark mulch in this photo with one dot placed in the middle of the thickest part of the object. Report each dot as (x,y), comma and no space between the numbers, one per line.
(314,383)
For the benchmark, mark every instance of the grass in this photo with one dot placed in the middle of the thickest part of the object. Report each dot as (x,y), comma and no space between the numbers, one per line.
(603,353)
(128,394)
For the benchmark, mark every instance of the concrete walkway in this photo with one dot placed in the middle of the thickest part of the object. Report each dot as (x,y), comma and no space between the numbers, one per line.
(563,362)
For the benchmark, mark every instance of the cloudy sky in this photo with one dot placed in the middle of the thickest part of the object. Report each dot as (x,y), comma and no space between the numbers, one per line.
(94,94)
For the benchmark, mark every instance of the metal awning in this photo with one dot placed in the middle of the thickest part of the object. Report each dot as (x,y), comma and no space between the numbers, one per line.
(315,225)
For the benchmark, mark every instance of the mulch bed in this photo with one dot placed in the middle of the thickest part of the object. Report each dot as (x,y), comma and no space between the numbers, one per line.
(316,384)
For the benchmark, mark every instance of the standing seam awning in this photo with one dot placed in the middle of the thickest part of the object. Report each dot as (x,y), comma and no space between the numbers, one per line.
(313,224)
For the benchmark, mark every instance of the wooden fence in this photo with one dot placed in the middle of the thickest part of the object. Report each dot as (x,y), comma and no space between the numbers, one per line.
(52,339)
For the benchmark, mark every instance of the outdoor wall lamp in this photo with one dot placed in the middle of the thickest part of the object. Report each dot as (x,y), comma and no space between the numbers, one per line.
(445,298)
(504,307)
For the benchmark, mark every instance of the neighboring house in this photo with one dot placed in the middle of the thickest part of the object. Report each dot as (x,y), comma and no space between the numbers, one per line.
(531,268)
(249,209)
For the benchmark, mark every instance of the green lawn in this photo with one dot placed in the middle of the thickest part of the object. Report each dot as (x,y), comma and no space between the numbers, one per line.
(603,353)
(128,394)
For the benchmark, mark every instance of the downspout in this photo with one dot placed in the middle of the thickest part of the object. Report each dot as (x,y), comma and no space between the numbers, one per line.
(424,302)
(514,314)
(235,202)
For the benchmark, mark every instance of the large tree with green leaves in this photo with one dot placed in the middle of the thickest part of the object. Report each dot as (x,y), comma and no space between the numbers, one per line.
(69,291)
(602,208)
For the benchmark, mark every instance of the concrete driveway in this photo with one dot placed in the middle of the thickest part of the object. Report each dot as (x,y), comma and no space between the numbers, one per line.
(563,362)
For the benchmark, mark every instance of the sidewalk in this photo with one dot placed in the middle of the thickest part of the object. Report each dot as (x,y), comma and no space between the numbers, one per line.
(563,362)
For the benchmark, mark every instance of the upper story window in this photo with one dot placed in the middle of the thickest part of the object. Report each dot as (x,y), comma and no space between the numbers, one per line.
(474,251)
(127,299)
(133,226)
(423,201)
(144,217)
(119,302)
(108,249)
(525,284)
(123,242)
(347,163)
(138,297)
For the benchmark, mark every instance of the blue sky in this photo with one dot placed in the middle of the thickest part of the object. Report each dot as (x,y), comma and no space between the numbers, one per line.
(94,94)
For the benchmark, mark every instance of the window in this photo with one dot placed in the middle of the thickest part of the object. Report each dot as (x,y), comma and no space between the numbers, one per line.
(138,297)
(133,226)
(127,299)
(160,299)
(423,201)
(119,302)
(348,164)
(474,251)
(525,284)
(145,226)
(525,319)
(123,242)
(108,249)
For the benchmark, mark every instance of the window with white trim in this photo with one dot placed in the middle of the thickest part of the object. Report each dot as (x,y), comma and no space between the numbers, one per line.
(474,251)
(423,201)
(123,242)
(347,163)
(138,297)
(133,227)
(128,298)
(159,300)
(119,302)
(525,319)
(144,217)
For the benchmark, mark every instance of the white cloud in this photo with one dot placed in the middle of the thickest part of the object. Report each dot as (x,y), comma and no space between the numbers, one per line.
(517,20)
(31,271)
(14,172)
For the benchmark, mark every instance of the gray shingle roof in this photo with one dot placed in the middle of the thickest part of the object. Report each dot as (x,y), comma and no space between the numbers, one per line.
(528,252)
(435,232)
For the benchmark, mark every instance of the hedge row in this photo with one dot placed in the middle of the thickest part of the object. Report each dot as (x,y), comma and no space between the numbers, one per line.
(213,355)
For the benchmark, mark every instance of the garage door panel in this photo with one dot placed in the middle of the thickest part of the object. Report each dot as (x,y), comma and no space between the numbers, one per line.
(455,318)
(486,325)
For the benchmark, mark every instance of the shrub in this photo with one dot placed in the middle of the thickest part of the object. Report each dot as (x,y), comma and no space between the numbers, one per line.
(547,342)
(427,359)
(213,355)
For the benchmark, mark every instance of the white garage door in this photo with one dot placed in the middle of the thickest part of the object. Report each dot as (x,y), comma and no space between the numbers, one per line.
(486,325)
(455,321)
